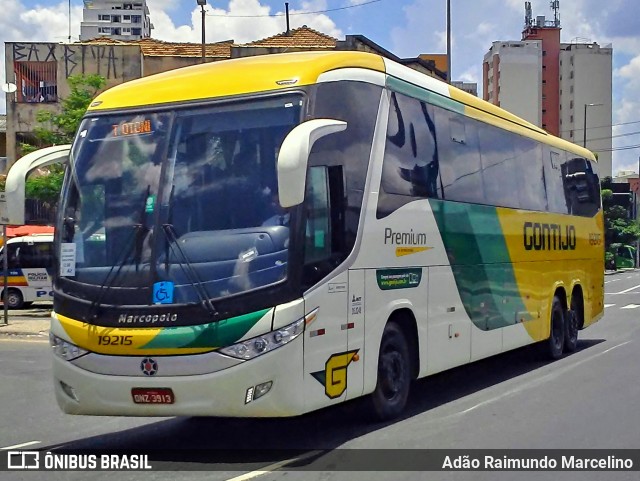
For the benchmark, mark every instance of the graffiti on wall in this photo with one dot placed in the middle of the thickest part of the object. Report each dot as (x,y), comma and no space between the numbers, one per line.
(77,59)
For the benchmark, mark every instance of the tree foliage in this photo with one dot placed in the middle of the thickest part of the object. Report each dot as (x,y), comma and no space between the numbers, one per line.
(620,228)
(60,128)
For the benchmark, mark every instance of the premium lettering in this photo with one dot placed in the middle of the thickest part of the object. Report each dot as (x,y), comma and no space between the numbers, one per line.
(549,237)
(404,238)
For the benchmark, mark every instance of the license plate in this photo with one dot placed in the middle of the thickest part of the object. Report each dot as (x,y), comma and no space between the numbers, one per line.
(161,395)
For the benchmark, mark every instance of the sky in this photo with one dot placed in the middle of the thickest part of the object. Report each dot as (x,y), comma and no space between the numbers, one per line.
(405,27)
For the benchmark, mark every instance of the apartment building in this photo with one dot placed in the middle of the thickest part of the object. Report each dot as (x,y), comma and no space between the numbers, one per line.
(565,88)
(115,19)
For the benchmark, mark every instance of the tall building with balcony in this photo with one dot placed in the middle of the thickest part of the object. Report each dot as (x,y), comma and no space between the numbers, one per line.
(128,21)
(561,87)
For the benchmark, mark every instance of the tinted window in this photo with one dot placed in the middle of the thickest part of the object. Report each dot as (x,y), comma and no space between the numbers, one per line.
(459,157)
(497,157)
(410,165)
(528,172)
(553,178)
(357,104)
(581,186)
(36,255)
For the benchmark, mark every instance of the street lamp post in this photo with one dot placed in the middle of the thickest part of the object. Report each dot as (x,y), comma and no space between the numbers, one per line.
(584,132)
(202,3)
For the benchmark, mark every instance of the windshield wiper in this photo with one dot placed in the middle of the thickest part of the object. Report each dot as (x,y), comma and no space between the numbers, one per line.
(189,271)
(137,235)
(125,253)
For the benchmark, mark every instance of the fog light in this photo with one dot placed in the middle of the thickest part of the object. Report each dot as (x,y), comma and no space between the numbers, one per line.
(262,389)
(69,391)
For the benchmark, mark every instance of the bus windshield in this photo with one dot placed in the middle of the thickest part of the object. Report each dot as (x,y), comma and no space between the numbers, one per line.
(187,196)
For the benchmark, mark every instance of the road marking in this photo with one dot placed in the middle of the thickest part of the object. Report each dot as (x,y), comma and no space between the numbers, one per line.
(23,445)
(608,305)
(273,467)
(614,347)
(631,306)
(614,280)
(626,290)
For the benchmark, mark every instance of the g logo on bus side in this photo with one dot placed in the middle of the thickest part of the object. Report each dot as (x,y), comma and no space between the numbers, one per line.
(334,376)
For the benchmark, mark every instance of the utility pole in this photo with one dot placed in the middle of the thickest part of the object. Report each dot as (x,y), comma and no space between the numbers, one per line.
(635,205)
(449,41)
(202,3)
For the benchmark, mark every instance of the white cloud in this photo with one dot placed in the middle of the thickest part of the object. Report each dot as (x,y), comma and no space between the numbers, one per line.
(242,21)
(41,24)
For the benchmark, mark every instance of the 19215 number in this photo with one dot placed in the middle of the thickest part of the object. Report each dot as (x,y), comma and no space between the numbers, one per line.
(115,340)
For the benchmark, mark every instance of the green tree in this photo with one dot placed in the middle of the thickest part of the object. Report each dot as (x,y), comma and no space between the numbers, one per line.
(619,227)
(60,128)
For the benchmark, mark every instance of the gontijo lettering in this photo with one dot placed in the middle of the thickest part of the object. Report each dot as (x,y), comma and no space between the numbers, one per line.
(404,238)
(550,237)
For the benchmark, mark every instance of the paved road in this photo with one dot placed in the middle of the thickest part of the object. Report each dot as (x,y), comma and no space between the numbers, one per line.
(590,399)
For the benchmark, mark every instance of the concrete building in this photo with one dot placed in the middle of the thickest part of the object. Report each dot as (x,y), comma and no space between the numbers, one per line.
(511,69)
(552,84)
(116,19)
(469,87)
(586,90)
(40,70)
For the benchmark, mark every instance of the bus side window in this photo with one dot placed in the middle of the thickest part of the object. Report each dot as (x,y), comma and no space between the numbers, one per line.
(411,164)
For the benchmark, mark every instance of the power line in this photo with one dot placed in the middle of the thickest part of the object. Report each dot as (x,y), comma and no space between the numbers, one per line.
(614,136)
(617,149)
(604,126)
(295,13)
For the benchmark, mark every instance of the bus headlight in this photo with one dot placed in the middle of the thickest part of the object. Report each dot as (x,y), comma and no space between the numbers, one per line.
(267,342)
(65,350)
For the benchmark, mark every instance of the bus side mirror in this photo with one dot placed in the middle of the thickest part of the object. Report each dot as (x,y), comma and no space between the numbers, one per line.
(294,157)
(12,199)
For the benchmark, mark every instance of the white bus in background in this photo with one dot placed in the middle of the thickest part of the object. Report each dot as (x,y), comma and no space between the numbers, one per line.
(30,264)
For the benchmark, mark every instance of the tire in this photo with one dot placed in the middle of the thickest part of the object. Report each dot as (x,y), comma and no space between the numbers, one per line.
(14,299)
(390,396)
(572,323)
(556,341)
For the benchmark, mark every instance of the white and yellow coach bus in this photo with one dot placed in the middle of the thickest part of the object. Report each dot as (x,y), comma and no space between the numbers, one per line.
(271,235)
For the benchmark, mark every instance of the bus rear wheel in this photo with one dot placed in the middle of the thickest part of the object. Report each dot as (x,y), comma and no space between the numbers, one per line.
(14,299)
(556,341)
(390,396)
(571,331)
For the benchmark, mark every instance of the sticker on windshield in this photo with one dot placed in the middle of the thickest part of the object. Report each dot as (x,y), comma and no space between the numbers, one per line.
(148,206)
(67,259)
(163,292)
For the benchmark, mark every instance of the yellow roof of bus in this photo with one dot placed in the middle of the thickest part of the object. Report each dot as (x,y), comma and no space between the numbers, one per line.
(232,77)
(276,72)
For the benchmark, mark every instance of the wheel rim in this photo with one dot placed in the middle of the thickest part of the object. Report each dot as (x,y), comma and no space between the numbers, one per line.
(392,374)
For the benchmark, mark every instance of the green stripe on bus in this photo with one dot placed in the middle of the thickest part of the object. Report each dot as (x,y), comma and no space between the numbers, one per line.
(480,261)
(213,335)
(425,95)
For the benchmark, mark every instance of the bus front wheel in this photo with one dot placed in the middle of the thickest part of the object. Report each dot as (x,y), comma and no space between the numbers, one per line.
(14,299)
(394,374)
(556,341)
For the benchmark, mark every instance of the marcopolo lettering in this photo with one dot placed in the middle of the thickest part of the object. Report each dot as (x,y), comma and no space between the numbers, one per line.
(404,238)
(550,237)
(147,318)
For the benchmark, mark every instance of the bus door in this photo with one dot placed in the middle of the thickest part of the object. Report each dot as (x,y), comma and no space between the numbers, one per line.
(326,353)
